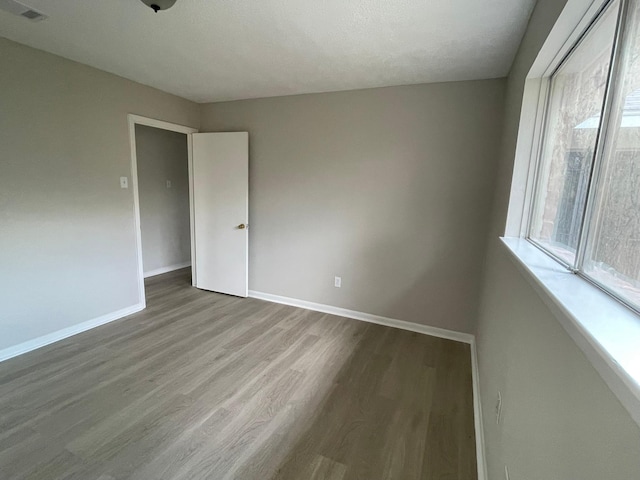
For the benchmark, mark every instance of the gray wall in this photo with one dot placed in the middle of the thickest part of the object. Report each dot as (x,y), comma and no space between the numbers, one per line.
(67,240)
(388,188)
(164,212)
(560,421)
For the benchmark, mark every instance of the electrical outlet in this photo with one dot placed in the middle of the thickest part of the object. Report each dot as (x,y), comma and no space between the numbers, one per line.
(498,408)
(168,183)
(337,282)
(506,473)
(124,182)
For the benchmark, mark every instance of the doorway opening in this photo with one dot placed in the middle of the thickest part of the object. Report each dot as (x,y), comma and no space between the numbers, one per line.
(162,179)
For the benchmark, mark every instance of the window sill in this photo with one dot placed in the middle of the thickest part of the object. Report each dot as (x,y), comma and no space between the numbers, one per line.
(605,330)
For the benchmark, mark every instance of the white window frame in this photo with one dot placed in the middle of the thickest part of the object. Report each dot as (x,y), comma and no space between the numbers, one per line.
(561,41)
(584,310)
(586,227)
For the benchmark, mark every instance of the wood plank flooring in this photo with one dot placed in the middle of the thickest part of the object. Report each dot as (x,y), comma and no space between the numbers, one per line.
(206,386)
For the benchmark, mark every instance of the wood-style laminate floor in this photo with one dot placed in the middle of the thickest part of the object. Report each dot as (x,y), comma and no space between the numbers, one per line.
(206,386)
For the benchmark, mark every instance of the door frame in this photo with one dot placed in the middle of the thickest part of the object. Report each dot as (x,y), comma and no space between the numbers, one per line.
(134,120)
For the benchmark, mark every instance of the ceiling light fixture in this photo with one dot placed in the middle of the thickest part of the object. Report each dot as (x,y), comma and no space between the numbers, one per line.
(158,5)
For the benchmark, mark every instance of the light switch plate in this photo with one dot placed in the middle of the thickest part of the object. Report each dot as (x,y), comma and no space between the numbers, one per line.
(124,182)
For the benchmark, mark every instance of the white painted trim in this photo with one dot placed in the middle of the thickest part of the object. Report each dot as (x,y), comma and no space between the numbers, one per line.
(134,120)
(152,122)
(136,210)
(529,142)
(53,337)
(192,209)
(576,16)
(574,19)
(477,414)
(170,268)
(365,317)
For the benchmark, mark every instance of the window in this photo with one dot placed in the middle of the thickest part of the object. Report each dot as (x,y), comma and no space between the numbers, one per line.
(586,205)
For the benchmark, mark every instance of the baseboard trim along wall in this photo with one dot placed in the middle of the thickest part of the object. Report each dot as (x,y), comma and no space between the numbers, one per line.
(477,414)
(53,337)
(365,317)
(413,327)
(170,268)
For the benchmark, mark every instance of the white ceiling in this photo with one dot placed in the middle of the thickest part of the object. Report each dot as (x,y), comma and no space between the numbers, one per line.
(212,50)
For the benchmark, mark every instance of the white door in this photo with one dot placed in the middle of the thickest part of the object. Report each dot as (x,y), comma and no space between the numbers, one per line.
(221,211)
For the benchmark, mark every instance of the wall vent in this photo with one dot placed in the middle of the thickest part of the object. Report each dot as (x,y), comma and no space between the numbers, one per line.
(17,8)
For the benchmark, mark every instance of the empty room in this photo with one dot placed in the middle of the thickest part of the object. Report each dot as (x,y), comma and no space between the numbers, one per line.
(267,240)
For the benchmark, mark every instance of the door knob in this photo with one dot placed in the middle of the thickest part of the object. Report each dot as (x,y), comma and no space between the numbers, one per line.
(242,226)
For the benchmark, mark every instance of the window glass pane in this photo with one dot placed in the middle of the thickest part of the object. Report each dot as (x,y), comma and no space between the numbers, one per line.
(613,249)
(573,117)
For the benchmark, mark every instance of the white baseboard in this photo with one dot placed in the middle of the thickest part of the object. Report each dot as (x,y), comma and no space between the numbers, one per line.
(366,317)
(477,414)
(170,268)
(53,337)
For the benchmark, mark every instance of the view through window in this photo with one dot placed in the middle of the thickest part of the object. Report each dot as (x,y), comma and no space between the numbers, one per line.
(587,201)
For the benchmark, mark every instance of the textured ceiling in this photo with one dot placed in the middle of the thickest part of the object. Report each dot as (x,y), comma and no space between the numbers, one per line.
(212,50)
